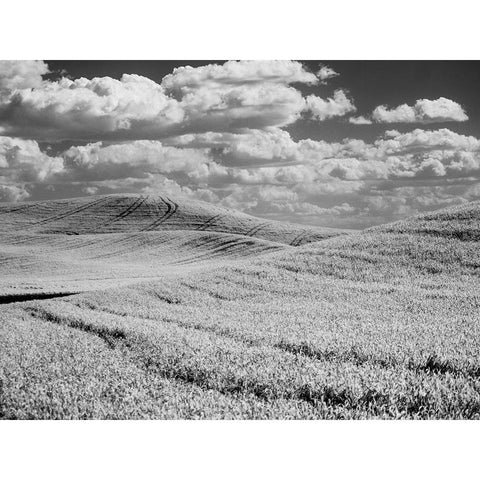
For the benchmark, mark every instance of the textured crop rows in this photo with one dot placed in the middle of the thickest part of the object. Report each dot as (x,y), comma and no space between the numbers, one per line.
(138,213)
(380,324)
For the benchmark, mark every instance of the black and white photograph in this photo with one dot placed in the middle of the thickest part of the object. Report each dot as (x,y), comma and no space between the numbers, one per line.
(285,239)
(240,239)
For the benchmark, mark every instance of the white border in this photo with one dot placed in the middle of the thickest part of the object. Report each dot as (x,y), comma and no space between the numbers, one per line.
(250,29)
(239,450)
(91,29)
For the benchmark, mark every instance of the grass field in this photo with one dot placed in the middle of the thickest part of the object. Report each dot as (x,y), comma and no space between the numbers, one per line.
(215,314)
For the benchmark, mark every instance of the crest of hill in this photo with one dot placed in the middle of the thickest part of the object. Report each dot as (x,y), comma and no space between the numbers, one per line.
(461,222)
(440,242)
(148,213)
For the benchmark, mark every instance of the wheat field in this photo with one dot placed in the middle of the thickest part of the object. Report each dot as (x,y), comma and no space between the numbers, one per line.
(134,306)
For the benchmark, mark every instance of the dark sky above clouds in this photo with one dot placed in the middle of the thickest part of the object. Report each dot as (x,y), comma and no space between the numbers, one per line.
(334,143)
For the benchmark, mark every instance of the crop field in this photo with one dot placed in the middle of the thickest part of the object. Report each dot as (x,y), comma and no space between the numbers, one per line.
(146,307)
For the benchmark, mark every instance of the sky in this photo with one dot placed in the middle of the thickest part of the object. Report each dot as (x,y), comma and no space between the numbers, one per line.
(346,144)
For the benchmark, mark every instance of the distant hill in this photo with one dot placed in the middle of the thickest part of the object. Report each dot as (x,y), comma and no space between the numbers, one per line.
(147,213)
(440,242)
(84,244)
(460,221)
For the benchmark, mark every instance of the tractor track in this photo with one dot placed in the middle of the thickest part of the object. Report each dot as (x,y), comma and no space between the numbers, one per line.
(296,241)
(137,203)
(230,246)
(17,209)
(72,211)
(256,229)
(208,223)
(171,209)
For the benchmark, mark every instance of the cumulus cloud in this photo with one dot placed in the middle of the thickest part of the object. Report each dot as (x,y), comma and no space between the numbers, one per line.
(228,97)
(366,178)
(19,74)
(256,147)
(246,106)
(265,173)
(278,201)
(185,79)
(269,156)
(325,73)
(337,106)
(85,108)
(242,94)
(96,161)
(419,140)
(90,190)
(216,133)
(22,160)
(13,193)
(424,111)
(360,120)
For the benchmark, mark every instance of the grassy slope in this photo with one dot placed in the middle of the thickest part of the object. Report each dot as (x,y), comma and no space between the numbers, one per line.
(143,213)
(82,244)
(376,324)
(61,263)
(462,222)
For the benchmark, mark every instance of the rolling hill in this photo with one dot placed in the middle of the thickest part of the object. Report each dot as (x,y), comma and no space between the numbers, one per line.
(82,244)
(461,221)
(146,213)
(375,324)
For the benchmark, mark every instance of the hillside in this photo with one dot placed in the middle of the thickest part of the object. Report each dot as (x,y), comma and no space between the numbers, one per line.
(461,221)
(376,324)
(147,213)
(49,263)
(84,244)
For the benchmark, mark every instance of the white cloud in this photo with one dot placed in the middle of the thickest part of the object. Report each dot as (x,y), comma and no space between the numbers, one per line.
(13,193)
(223,98)
(133,159)
(324,176)
(85,108)
(265,173)
(222,142)
(360,120)
(22,160)
(337,106)
(164,186)
(325,73)
(242,94)
(257,147)
(419,140)
(17,74)
(90,190)
(396,155)
(241,106)
(424,111)
(186,79)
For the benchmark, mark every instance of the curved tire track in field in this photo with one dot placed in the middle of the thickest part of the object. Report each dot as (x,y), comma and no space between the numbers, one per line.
(209,254)
(72,211)
(214,252)
(18,209)
(431,365)
(171,209)
(137,203)
(232,247)
(296,242)
(208,223)
(119,243)
(253,231)
(117,337)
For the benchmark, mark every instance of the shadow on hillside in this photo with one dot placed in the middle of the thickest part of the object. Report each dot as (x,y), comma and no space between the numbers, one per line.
(25,297)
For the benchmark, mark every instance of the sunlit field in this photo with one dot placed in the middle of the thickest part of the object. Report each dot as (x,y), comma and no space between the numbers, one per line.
(171,310)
